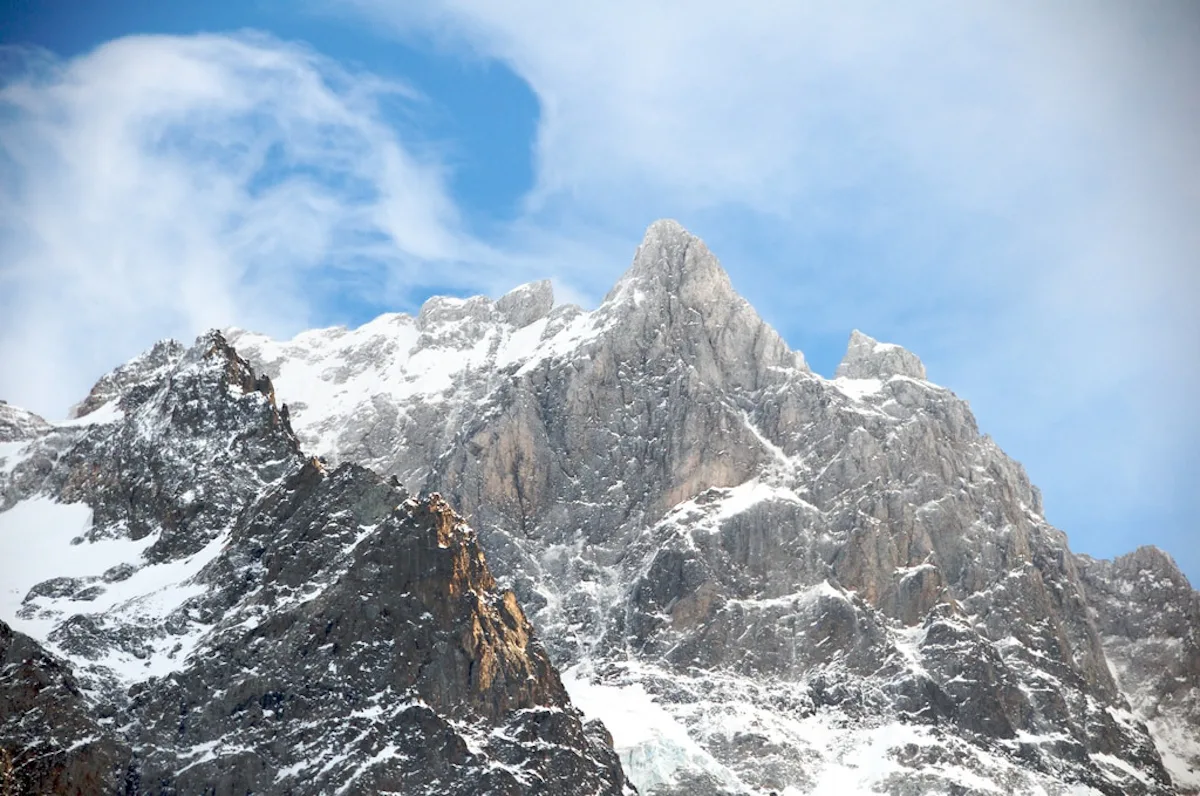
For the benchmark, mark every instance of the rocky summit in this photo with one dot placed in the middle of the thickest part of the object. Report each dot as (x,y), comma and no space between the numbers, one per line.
(202,608)
(688,565)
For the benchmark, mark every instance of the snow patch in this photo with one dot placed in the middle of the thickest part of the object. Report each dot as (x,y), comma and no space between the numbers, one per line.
(12,454)
(41,539)
(858,389)
(1176,744)
(521,344)
(108,413)
(36,544)
(653,746)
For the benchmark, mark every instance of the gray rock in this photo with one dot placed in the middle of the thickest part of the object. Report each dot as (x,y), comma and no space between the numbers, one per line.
(867,358)
(50,740)
(688,511)
(19,425)
(789,581)
(131,380)
(1148,617)
(283,628)
(523,305)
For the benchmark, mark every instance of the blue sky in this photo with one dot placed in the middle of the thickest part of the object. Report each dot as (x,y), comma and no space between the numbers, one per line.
(1009,190)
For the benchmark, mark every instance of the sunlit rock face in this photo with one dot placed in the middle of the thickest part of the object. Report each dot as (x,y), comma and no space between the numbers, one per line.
(807,583)
(759,579)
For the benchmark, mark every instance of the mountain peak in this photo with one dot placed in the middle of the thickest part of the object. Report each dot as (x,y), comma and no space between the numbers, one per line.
(1153,561)
(17,424)
(526,303)
(144,369)
(666,228)
(867,358)
(672,261)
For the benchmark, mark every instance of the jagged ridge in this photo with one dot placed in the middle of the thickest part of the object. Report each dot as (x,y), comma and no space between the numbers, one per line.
(688,511)
(790,583)
(270,626)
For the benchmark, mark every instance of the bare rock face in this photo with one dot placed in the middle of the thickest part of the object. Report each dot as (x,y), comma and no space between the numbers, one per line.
(784,577)
(867,358)
(132,379)
(18,425)
(375,653)
(1148,618)
(760,580)
(526,304)
(240,618)
(50,740)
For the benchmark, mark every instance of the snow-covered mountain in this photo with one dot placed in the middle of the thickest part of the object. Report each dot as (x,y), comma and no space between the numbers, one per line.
(200,608)
(758,579)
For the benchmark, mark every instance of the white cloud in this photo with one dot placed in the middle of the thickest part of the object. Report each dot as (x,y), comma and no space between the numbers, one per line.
(1010,189)
(1019,184)
(160,186)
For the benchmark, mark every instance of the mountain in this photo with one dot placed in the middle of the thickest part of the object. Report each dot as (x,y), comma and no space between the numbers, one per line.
(202,608)
(757,579)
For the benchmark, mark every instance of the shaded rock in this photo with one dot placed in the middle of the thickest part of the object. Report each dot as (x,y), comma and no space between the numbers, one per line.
(50,741)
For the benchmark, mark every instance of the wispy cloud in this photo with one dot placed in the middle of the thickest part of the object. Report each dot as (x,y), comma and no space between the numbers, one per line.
(1008,188)
(159,186)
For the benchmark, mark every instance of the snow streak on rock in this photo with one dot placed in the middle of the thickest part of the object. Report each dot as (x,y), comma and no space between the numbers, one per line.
(205,609)
(697,522)
(760,580)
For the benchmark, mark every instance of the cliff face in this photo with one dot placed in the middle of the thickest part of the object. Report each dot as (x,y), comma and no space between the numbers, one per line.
(238,618)
(793,574)
(760,579)
(50,740)
(1148,618)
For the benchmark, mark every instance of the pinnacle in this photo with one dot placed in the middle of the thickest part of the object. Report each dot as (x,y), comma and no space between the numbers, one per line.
(867,358)
(665,228)
(673,261)
(1150,558)
(526,303)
